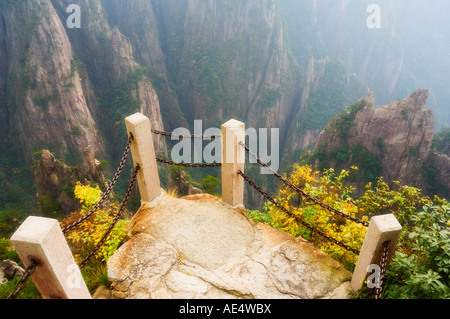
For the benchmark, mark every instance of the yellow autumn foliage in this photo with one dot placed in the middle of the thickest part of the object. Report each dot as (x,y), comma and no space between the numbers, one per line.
(87,195)
(329,189)
(88,234)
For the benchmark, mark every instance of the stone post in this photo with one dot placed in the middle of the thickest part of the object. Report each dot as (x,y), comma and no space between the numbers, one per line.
(381,229)
(57,276)
(143,152)
(233,160)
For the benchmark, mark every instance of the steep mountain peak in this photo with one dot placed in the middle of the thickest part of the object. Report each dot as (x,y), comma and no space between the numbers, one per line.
(401,125)
(393,141)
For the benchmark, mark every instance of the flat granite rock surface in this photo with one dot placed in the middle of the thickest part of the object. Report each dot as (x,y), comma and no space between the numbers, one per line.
(198,247)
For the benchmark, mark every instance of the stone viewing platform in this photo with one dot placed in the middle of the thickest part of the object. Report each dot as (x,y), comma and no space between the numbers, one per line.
(202,246)
(199,247)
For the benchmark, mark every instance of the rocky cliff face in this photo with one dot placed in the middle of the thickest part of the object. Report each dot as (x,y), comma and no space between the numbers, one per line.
(229,60)
(67,89)
(147,37)
(405,129)
(43,97)
(269,64)
(120,84)
(395,138)
(55,181)
(207,60)
(327,89)
(438,174)
(53,77)
(390,60)
(64,89)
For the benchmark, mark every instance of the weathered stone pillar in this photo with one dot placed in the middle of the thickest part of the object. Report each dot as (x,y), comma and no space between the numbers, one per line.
(57,276)
(381,229)
(143,152)
(233,161)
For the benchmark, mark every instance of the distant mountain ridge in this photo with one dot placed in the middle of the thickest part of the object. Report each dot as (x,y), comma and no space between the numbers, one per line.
(393,141)
(291,65)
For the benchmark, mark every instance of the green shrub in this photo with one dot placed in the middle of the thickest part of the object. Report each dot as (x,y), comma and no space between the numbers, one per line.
(421,267)
(29,290)
(211,185)
(6,251)
(48,206)
(260,217)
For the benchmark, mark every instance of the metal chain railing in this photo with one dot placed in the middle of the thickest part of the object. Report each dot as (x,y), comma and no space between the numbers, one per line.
(311,228)
(164,161)
(32,267)
(383,265)
(21,283)
(115,221)
(300,191)
(383,262)
(192,136)
(106,193)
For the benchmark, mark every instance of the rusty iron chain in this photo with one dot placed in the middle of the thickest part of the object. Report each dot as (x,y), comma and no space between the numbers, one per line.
(21,283)
(108,191)
(33,263)
(164,161)
(115,221)
(300,191)
(311,228)
(192,136)
(383,265)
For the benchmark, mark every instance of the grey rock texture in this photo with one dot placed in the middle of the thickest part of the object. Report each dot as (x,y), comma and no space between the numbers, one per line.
(10,269)
(197,247)
(400,134)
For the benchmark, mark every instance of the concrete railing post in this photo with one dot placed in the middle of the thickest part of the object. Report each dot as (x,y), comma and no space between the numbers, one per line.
(143,152)
(233,161)
(381,229)
(57,276)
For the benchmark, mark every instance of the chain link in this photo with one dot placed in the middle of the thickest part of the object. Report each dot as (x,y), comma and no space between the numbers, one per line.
(164,161)
(192,136)
(301,192)
(21,283)
(115,221)
(383,265)
(34,263)
(32,267)
(311,228)
(108,191)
